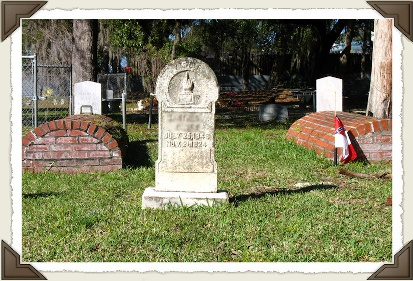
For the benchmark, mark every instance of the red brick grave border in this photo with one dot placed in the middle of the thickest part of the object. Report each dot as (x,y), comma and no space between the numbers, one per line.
(78,143)
(372,137)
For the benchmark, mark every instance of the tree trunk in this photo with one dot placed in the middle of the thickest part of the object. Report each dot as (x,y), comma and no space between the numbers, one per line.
(84,55)
(246,69)
(345,54)
(363,56)
(379,102)
(177,39)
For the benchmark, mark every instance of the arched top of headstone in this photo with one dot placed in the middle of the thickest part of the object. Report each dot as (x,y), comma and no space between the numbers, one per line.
(187,83)
(330,78)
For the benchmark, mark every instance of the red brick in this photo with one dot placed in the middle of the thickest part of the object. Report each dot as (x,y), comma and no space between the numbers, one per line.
(101,146)
(55,155)
(84,146)
(33,155)
(60,124)
(25,141)
(328,154)
(86,162)
(92,128)
(68,124)
(382,138)
(76,133)
(303,136)
(88,139)
(58,133)
(328,138)
(384,125)
(45,128)
(330,147)
(110,161)
(361,130)
(84,125)
(98,154)
(299,141)
(27,163)
(112,144)
(61,147)
(78,154)
(320,143)
(370,147)
(382,155)
(386,147)
(292,133)
(354,132)
(307,130)
(45,140)
(66,140)
(38,148)
(31,136)
(52,125)
(307,145)
(365,140)
(319,150)
(100,132)
(106,137)
(75,124)
(38,131)
(61,163)
(376,126)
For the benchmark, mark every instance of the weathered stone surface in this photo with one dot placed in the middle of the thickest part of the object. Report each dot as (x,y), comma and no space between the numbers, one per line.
(186,91)
(163,199)
(329,95)
(186,170)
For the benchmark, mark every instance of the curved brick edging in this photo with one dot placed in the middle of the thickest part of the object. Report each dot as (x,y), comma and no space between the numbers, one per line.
(78,143)
(371,137)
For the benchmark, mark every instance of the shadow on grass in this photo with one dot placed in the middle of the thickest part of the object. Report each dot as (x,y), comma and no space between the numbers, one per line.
(236,199)
(40,195)
(138,154)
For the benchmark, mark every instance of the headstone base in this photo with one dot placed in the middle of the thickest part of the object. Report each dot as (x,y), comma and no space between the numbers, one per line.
(186,182)
(162,199)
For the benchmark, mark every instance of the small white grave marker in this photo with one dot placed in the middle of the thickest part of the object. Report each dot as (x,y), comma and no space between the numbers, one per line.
(329,95)
(87,94)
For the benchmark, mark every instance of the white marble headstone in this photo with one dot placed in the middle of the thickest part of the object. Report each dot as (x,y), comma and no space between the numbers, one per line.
(329,95)
(186,91)
(186,171)
(88,95)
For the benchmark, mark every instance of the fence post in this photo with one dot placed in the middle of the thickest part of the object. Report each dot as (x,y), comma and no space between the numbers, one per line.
(70,92)
(35,109)
(150,110)
(124,109)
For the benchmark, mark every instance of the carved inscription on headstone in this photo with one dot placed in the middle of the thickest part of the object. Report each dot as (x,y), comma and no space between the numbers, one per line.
(186,90)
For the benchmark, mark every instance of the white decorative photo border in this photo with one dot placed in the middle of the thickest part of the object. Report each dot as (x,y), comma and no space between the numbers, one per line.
(398,171)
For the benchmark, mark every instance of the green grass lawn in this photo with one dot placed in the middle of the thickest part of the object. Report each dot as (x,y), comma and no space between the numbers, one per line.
(287,204)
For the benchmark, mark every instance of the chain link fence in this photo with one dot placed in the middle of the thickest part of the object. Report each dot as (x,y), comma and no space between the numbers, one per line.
(46,92)
(114,91)
(113,86)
